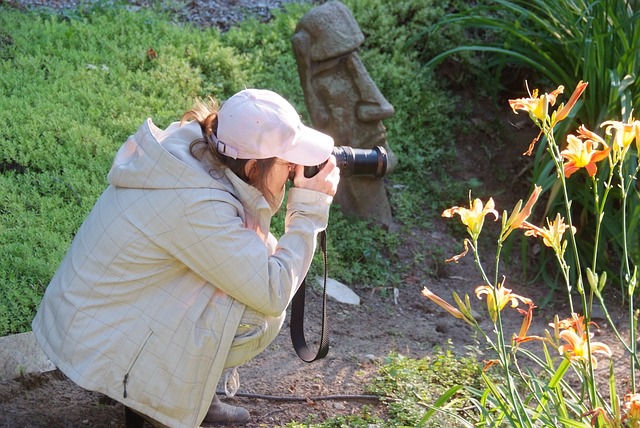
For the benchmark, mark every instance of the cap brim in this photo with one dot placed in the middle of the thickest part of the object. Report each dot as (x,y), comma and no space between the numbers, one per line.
(310,148)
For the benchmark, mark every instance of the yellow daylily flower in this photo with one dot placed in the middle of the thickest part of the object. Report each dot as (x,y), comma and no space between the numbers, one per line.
(586,135)
(582,154)
(575,334)
(473,217)
(498,297)
(537,107)
(625,133)
(551,235)
(577,347)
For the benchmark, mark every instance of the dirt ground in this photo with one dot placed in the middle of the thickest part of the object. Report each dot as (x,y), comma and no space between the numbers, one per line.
(277,387)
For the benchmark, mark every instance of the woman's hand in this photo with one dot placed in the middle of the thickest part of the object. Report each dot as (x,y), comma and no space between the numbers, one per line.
(325,181)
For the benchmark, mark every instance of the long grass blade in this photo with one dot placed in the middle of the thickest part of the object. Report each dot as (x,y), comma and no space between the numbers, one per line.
(438,404)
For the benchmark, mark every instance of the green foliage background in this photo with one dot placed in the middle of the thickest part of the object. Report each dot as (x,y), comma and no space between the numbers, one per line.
(561,43)
(73,87)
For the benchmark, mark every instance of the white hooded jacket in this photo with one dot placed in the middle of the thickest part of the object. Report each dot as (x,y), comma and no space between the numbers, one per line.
(145,305)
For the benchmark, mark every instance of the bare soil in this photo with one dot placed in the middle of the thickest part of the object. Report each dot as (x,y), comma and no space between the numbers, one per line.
(277,387)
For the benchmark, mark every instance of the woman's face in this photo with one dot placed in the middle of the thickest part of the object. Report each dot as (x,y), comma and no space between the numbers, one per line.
(273,187)
(278,176)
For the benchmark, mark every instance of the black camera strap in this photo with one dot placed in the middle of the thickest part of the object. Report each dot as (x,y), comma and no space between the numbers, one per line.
(297,315)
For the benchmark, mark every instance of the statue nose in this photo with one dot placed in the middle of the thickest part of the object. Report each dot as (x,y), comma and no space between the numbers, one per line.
(372,106)
(374,112)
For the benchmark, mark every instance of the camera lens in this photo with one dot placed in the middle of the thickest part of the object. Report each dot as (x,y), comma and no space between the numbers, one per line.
(355,162)
(361,162)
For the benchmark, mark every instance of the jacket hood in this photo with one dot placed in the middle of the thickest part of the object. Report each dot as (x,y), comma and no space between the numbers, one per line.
(156,159)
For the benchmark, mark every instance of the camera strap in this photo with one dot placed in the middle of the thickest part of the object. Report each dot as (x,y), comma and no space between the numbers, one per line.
(297,315)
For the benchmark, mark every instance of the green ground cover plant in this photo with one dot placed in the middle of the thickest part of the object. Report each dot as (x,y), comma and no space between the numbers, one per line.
(409,386)
(71,92)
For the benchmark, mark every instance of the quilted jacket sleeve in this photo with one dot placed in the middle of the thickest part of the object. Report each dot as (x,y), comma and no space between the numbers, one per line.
(213,242)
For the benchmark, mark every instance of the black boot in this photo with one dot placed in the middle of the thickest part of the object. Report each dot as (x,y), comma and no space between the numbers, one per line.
(132,419)
(225,414)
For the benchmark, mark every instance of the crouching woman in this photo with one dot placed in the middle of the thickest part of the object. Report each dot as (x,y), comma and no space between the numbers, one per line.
(174,276)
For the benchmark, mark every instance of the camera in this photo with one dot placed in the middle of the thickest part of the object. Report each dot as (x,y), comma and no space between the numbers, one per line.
(356,162)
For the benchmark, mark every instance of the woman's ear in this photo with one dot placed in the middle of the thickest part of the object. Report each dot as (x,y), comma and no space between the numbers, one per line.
(251,170)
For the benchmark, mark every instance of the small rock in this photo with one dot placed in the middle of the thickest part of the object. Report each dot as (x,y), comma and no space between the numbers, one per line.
(367,360)
(340,292)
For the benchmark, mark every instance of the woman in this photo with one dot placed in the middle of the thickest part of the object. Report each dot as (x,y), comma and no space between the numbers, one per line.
(174,275)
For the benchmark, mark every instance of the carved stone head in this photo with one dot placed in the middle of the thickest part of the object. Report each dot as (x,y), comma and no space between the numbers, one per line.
(342,98)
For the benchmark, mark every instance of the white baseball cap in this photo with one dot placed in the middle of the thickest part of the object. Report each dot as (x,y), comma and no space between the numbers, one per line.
(260,124)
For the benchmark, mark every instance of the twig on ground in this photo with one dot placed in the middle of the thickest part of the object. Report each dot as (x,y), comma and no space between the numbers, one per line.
(268,414)
(308,398)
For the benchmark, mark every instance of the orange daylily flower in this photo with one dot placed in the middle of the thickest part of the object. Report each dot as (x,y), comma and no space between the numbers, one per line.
(490,363)
(582,154)
(538,108)
(563,110)
(461,255)
(518,340)
(520,215)
(498,297)
(444,305)
(526,321)
(631,408)
(473,217)
(522,336)
(575,323)
(551,235)
(596,413)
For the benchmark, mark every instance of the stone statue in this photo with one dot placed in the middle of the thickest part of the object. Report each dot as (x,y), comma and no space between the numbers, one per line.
(343,101)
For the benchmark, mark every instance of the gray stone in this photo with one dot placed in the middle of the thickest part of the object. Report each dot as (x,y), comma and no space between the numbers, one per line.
(340,292)
(21,355)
